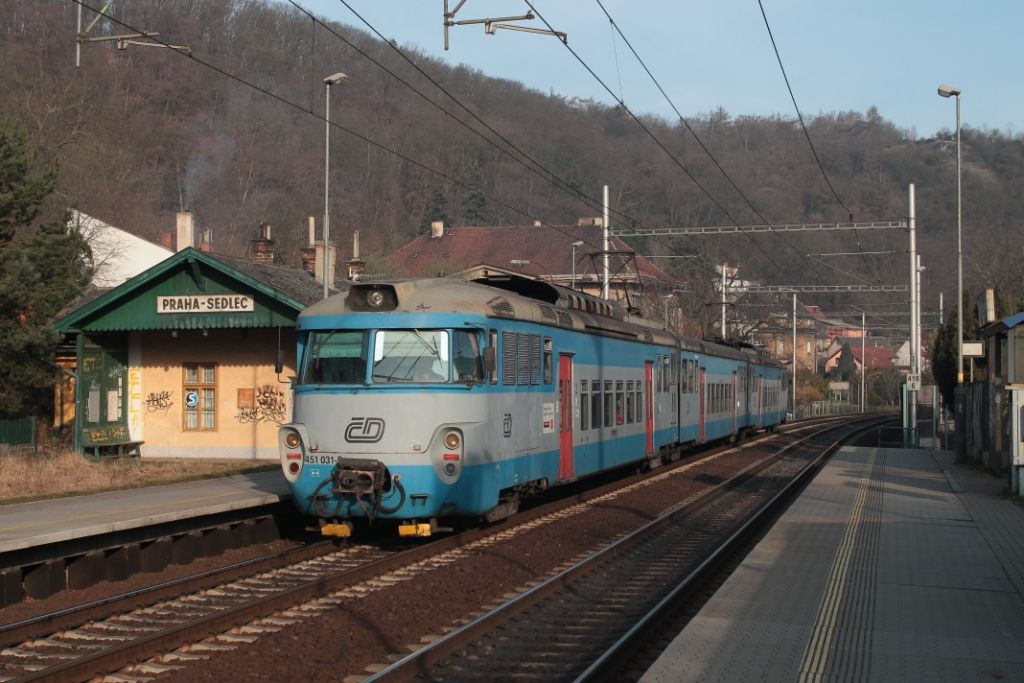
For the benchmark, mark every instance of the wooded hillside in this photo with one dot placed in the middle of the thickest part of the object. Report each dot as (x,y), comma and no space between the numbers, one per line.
(144,132)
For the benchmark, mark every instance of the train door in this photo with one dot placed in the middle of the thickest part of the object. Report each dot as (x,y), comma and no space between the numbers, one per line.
(565,433)
(734,400)
(649,401)
(760,401)
(700,411)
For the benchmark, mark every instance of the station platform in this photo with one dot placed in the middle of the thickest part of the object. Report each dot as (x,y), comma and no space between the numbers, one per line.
(44,522)
(893,565)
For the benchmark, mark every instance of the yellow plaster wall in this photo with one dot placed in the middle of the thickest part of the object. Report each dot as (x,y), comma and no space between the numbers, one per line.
(244,359)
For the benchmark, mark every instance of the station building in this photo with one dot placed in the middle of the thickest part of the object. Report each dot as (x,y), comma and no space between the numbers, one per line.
(188,359)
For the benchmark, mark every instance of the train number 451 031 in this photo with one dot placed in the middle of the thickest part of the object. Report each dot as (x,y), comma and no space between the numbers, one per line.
(319,459)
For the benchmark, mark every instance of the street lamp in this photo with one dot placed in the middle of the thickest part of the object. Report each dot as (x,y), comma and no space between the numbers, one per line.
(950,91)
(328,82)
(574,245)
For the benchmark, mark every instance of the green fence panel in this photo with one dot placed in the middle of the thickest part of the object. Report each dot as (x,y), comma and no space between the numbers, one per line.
(19,433)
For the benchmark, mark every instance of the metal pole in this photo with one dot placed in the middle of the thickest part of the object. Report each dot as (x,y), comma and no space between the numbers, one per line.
(793,381)
(912,394)
(78,41)
(863,362)
(604,223)
(959,261)
(573,281)
(723,300)
(327,184)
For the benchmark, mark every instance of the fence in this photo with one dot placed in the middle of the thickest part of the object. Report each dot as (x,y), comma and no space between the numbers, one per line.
(19,433)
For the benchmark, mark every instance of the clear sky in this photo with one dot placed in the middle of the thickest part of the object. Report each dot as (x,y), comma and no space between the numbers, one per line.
(840,55)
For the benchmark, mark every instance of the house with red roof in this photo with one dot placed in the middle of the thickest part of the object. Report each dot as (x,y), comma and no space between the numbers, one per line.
(877,357)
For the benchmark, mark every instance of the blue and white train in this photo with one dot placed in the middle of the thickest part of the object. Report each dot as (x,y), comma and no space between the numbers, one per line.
(426,400)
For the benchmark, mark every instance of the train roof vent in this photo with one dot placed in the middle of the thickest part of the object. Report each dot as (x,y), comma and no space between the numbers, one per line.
(564,319)
(501,306)
(646,335)
(548,313)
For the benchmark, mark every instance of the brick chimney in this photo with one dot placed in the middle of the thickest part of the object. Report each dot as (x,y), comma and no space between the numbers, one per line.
(262,249)
(355,265)
(186,230)
(167,240)
(436,229)
(308,252)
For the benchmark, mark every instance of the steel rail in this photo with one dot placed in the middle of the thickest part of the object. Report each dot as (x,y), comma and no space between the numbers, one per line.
(139,649)
(419,662)
(598,669)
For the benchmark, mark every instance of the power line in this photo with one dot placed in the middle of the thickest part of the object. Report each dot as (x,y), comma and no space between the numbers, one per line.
(803,126)
(658,142)
(540,170)
(686,123)
(293,105)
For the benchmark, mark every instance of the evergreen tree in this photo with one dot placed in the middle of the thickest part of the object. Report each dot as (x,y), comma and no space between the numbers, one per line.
(474,201)
(437,211)
(44,265)
(847,365)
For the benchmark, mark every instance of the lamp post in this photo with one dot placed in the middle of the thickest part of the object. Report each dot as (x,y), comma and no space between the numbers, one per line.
(333,79)
(950,91)
(574,245)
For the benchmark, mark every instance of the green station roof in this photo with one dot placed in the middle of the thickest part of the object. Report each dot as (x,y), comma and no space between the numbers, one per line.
(197,290)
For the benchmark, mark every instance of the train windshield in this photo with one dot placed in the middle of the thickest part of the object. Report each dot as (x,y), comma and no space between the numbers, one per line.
(336,357)
(394,357)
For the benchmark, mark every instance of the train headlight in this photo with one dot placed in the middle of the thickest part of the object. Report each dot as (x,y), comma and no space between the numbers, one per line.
(292,440)
(452,440)
(375,298)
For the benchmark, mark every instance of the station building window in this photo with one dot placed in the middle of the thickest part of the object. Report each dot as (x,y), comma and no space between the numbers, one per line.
(200,391)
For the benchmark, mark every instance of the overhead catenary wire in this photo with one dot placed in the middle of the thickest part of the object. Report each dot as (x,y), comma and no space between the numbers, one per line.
(537,167)
(284,100)
(803,126)
(689,128)
(661,145)
(298,107)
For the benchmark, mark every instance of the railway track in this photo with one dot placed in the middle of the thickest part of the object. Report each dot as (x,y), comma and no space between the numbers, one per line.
(580,624)
(166,627)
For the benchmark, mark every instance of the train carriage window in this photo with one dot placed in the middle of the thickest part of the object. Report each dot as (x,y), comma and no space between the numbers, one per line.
(548,350)
(584,404)
(609,404)
(639,402)
(595,404)
(466,357)
(492,341)
(620,407)
(629,402)
(657,375)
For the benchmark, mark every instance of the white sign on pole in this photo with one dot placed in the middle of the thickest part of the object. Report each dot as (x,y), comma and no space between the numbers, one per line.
(913,382)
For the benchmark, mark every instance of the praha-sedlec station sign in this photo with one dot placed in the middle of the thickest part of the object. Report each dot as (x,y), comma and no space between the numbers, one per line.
(205,303)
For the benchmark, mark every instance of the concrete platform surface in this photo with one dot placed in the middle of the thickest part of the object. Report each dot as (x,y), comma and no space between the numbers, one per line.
(894,565)
(49,521)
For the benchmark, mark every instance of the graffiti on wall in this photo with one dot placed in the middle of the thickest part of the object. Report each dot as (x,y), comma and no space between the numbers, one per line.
(269,406)
(158,401)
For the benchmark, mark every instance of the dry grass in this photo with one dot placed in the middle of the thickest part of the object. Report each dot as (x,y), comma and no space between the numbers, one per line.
(57,473)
